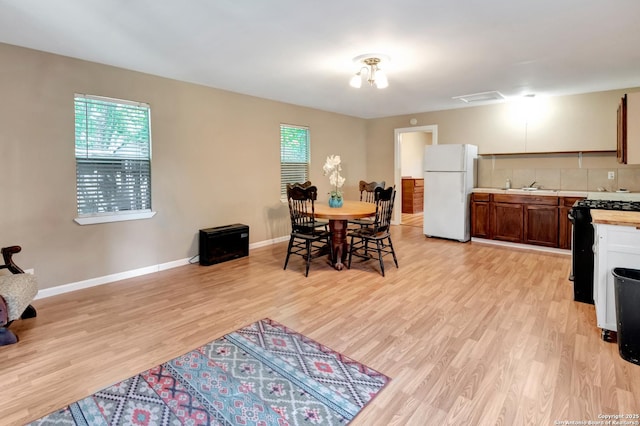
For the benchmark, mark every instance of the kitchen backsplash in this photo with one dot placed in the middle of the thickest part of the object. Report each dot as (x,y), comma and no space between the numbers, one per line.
(494,172)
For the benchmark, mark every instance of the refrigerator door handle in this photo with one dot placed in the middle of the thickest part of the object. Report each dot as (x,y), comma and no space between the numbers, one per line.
(462,188)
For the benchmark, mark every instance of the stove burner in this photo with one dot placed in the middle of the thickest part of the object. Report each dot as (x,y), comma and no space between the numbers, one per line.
(632,206)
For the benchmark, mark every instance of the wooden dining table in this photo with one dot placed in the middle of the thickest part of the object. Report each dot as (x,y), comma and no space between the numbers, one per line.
(338,220)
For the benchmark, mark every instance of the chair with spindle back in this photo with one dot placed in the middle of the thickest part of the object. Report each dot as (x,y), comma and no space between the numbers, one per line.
(367,195)
(319,223)
(378,232)
(306,240)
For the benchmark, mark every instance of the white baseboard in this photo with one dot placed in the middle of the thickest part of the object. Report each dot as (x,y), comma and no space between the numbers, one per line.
(521,246)
(92,282)
(269,242)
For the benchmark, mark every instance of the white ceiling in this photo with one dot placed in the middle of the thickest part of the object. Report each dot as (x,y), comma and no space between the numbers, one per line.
(301,52)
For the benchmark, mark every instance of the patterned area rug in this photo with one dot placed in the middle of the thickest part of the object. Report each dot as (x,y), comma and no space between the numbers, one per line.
(263,374)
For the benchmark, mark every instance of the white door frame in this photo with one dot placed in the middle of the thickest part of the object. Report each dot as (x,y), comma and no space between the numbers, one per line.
(397,154)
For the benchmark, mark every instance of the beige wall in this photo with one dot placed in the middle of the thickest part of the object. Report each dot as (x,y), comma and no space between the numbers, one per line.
(412,153)
(586,172)
(215,162)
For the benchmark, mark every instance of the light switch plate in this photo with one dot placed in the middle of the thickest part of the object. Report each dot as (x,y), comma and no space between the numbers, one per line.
(611,175)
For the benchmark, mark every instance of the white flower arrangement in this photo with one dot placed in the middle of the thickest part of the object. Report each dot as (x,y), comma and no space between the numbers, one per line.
(332,168)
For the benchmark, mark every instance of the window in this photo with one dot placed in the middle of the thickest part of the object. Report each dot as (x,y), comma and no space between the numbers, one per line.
(294,156)
(113,159)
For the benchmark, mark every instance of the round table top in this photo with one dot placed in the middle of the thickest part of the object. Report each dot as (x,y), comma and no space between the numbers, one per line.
(349,210)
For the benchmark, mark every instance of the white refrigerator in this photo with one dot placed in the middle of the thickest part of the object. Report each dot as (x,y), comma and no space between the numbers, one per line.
(449,177)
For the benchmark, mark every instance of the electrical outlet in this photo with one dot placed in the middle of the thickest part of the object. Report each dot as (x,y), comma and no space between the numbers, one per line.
(611,175)
(30,271)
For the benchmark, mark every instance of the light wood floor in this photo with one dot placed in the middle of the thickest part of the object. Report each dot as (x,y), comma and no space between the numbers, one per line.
(469,333)
(415,219)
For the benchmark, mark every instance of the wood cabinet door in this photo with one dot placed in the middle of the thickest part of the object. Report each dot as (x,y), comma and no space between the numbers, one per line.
(480,220)
(622,131)
(564,228)
(506,222)
(541,225)
(631,130)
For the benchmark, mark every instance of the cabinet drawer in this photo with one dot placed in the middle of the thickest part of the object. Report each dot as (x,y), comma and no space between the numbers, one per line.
(413,185)
(569,201)
(480,196)
(526,199)
(412,208)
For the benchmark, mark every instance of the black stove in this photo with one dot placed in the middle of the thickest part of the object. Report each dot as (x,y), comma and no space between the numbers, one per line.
(582,256)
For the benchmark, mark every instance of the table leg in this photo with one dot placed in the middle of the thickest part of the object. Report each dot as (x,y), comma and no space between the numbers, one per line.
(338,242)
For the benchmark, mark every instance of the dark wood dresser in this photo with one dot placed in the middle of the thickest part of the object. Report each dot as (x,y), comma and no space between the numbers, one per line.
(412,195)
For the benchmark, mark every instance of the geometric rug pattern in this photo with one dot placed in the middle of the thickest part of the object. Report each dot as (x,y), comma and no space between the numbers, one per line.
(262,374)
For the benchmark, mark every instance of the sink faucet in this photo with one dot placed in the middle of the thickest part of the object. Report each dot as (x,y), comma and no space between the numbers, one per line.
(532,183)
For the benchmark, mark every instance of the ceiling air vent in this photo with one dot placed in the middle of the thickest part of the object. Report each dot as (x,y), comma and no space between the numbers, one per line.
(481,97)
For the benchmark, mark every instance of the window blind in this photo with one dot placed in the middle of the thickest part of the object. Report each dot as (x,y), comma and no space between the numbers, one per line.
(113,155)
(294,156)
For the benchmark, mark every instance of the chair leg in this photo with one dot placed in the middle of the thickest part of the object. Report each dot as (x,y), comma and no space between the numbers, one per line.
(350,253)
(29,312)
(306,272)
(393,252)
(286,261)
(379,247)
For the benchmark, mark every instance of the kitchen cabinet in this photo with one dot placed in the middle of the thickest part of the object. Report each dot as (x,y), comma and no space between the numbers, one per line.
(538,125)
(615,246)
(575,123)
(628,133)
(529,219)
(480,215)
(564,224)
(412,195)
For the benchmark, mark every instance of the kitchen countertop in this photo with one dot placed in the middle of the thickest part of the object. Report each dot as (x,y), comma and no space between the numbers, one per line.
(548,192)
(615,217)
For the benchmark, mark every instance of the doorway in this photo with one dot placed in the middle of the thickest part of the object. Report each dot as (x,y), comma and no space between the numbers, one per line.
(408,162)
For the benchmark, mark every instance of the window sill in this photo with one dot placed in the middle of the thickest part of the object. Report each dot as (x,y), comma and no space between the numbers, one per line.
(117,217)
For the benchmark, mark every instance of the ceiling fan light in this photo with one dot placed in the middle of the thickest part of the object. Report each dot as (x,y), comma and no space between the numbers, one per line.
(370,71)
(356,81)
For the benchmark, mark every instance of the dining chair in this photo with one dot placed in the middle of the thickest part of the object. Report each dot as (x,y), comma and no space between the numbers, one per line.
(378,232)
(367,195)
(319,223)
(367,190)
(306,240)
